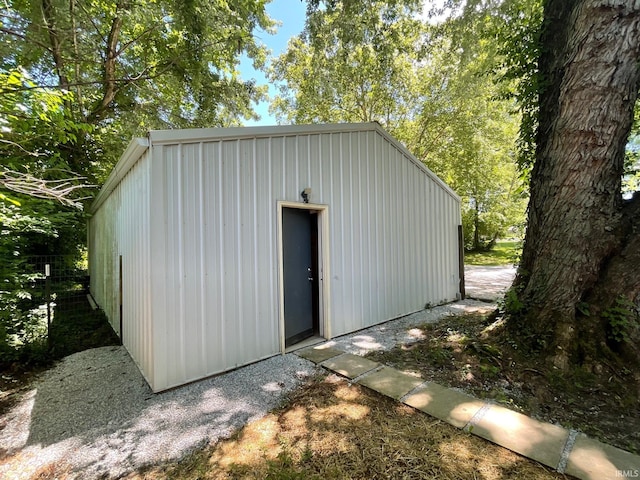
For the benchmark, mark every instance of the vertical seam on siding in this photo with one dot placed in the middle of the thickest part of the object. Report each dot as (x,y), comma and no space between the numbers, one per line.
(181,279)
(203,270)
(240,319)
(221,341)
(256,269)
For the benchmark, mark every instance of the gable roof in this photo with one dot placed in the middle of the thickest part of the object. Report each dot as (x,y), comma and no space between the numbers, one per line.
(138,146)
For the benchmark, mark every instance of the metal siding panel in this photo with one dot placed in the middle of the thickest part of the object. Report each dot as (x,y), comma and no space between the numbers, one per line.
(413,230)
(367,229)
(316,176)
(441,246)
(385,228)
(190,215)
(302,159)
(278,183)
(421,187)
(437,206)
(433,252)
(337,243)
(213,284)
(326,171)
(416,238)
(396,286)
(246,285)
(379,252)
(405,235)
(120,226)
(291,169)
(230,234)
(454,222)
(370,226)
(348,226)
(267,327)
(159,277)
(356,231)
(203,222)
(174,325)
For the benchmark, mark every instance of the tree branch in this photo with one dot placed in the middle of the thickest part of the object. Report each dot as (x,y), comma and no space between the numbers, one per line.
(76,51)
(20,147)
(111,55)
(22,36)
(58,190)
(56,46)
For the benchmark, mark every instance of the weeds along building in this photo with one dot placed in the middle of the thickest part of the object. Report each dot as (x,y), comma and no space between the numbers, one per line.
(212,248)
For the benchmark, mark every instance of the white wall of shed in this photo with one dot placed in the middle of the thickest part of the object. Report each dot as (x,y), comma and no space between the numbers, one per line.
(120,227)
(393,241)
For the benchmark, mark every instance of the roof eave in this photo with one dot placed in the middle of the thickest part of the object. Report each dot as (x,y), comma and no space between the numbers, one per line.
(136,148)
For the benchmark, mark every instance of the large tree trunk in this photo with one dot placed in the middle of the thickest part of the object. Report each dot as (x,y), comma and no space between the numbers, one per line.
(580,242)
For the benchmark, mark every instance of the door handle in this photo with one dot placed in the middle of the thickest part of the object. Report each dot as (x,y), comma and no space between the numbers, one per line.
(309,275)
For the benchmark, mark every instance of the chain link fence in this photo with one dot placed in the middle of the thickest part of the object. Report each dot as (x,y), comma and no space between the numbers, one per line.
(45,310)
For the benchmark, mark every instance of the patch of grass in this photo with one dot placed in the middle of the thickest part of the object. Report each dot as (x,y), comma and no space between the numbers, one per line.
(506,252)
(331,429)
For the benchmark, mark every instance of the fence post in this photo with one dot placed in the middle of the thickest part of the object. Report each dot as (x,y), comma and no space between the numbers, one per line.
(47,298)
(461,261)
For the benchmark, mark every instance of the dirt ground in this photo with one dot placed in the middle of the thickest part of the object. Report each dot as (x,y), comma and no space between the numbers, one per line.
(331,429)
(474,353)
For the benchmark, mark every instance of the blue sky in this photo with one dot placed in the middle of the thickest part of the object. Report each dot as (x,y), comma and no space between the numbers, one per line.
(291,15)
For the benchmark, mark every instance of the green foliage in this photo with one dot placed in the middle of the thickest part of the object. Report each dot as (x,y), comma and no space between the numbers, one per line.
(33,228)
(354,63)
(35,128)
(620,316)
(116,69)
(517,34)
(371,60)
(469,140)
(511,302)
(583,308)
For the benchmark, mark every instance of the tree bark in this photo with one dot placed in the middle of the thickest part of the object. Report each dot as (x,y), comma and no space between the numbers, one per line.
(109,80)
(577,227)
(48,15)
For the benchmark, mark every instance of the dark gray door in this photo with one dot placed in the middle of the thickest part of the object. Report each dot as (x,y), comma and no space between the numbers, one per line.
(299,229)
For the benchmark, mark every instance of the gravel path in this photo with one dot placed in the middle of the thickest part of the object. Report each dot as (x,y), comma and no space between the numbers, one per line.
(94,416)
(487,283)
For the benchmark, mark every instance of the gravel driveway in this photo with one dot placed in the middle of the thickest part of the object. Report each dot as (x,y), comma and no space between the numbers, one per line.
(94,415)
(487,283)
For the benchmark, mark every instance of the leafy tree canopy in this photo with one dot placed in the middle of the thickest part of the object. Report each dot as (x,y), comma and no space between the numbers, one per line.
(353,63)
(123,67)
(433,86)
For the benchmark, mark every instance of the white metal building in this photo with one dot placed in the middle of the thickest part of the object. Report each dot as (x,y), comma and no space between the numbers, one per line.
(205,256)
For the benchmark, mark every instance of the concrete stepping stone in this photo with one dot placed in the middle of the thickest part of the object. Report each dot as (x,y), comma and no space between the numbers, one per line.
(540,441)
(453,407)
(390,382)
(594,460)
(350,366)
(319,353)
(586,459)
